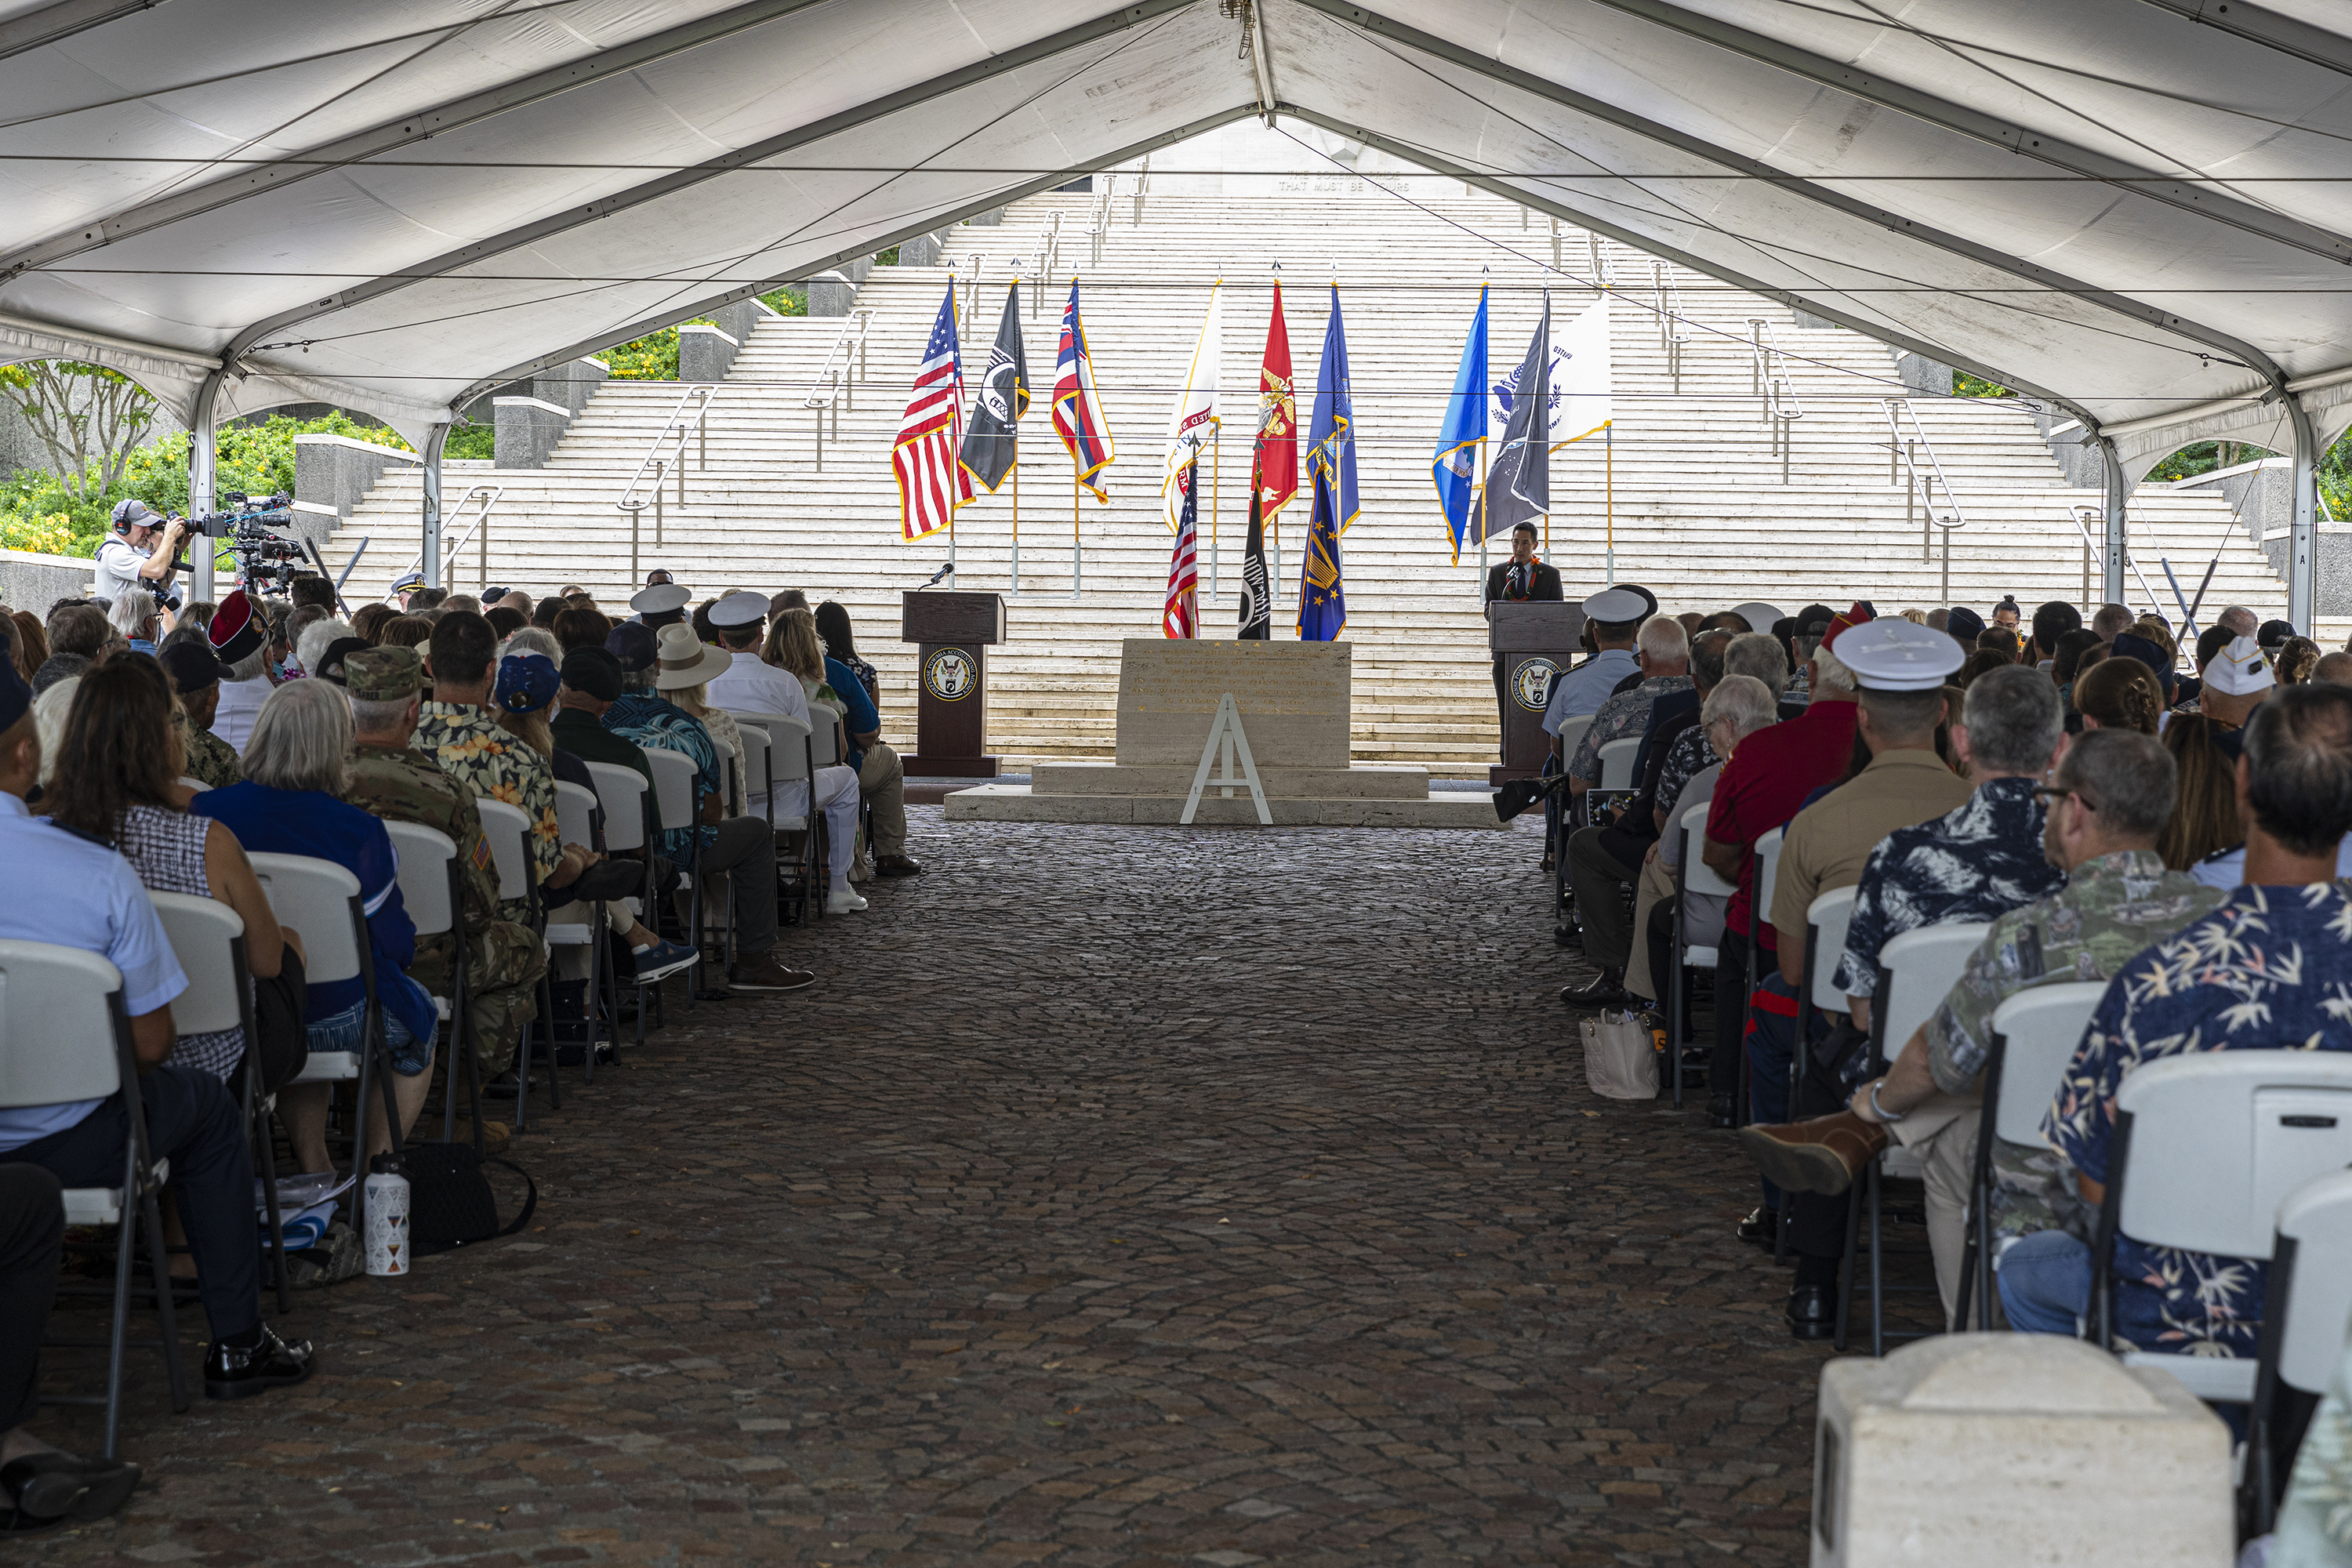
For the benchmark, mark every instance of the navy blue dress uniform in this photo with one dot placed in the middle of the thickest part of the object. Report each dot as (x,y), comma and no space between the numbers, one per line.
(1581,691)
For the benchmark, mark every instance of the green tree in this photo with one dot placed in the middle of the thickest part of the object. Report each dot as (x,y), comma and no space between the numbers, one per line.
(86,416)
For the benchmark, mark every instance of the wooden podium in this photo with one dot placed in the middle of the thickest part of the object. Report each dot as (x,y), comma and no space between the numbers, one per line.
(1536,640)
(951,632)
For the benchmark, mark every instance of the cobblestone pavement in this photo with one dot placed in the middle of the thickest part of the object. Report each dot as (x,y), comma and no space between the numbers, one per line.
(1122,1196)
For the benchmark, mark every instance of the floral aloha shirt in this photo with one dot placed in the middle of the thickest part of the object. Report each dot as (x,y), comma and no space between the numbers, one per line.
(651,720)
(2270,969)
(471,748)
(1623,716)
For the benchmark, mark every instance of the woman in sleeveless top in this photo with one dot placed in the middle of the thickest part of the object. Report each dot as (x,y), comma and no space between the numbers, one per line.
(117,766)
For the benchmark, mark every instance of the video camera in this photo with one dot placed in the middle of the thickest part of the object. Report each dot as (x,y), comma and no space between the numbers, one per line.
(268,558)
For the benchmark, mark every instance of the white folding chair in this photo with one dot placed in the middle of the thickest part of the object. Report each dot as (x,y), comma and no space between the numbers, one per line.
(64,1035)
(755,770)
(2034,1036)
(195,783)
(430,893)
(2306,1303)
(792,758)
(675,796)
(1916,970)
(1766,853)
(321,902)
(1692,878)
(727,755)
(208,939)
(1826,919)
(825,738)
(508,827)
(584,924)
(2206,1148)
(622,792)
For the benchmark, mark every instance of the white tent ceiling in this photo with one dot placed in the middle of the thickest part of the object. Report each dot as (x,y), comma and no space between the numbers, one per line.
(2129,206)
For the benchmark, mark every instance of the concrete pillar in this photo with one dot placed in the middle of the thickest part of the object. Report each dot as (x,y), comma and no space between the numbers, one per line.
(204,464)
(1921,373)
(570,385)
(740,319)
(525,430)
(2303,549)
(2111,552)
(705,354)
(431,565)
(831,294)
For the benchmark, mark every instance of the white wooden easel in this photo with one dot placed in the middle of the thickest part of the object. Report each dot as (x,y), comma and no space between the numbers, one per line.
(1225,735)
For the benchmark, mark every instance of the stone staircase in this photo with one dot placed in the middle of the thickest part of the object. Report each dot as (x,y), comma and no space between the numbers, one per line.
(1701,514)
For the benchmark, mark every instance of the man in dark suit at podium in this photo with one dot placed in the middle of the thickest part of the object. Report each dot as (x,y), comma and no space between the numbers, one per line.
(1521,577)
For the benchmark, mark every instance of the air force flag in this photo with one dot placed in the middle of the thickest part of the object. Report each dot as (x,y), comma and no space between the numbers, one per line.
(1455,466)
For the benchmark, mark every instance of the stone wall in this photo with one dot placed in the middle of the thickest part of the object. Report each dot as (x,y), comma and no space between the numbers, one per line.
(33,582)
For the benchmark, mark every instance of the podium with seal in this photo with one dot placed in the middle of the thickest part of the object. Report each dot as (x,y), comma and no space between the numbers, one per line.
(1537,639)
(951,632)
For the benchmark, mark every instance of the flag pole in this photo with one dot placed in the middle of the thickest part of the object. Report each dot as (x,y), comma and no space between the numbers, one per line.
(1017,512)
(1077,566)
(1216,461)
(951,550)
(1478,517)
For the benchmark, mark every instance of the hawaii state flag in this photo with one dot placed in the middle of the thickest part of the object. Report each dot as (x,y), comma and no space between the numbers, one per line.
(1077,410)
(1274,473)
(1331,457)
(1180,616)
(932,482)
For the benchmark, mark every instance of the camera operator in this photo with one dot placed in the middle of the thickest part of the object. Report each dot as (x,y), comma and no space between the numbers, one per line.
(138,552)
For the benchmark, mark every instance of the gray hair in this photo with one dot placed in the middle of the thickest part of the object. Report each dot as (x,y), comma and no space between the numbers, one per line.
(375,715)
(1747,702)
(253,665)
(1757,654)
(2127,776)
(2239,619)
(1706,657)
(533,639)
(2014,719)
(133,609)
(311,646)
(1664,639)
(301,738)
(1829,674)
(638,679)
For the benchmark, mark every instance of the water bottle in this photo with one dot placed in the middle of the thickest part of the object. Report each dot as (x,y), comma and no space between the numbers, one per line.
(387,1222)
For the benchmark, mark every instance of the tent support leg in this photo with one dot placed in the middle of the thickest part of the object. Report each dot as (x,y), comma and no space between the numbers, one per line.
(431,566)
(203,468)
(2112,547)
(2303,553)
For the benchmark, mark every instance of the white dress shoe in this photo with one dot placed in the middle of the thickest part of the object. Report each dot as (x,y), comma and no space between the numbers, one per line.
(842,901)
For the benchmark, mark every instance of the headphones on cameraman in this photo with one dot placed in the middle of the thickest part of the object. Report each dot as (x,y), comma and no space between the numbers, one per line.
(134,513)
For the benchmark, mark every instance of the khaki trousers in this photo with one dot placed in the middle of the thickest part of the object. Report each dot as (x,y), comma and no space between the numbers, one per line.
(882,784)
(1656,885)
(1940,1133)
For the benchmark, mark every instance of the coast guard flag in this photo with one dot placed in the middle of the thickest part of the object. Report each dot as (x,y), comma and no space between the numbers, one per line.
(931,483)
(989,451)
(1179,616)
(1455,466)
(1257,607)
(1194,421)
(1078,411)
(1331,457)
(1518,485)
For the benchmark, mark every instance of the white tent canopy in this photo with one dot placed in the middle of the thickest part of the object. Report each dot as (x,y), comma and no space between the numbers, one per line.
(2129,207)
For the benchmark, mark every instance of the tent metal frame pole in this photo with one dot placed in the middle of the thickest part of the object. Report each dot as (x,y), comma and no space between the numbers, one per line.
(2303,558)
(54,23)
(2027,142)
(2115,544)
(2315,46)
(204,469)
(1896,223)
(431,565)
(669,185)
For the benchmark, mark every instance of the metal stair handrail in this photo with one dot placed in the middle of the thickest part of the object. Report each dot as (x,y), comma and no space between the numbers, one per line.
(490,494)
(843,367)
(1142,185)
(692,415)
(1672,331)
(1769,377)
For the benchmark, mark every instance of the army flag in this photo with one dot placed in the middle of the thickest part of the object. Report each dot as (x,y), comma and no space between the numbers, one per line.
(1193,422)
(990,448)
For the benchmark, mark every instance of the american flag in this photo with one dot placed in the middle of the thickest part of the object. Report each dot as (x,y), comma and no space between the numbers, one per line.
(1078,411)
(931,483)
(1180,617)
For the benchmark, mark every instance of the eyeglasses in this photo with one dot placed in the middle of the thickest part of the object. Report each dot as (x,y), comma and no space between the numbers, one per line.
(2061,791)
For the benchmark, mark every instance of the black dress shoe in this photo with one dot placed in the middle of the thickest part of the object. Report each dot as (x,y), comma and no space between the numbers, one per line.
(232,1373)
(1604,992)
(1813,1311)
(1758,1228)
(54,1485)
(1718,1111)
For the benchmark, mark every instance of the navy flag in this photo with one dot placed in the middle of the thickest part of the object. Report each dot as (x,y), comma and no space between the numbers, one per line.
(988,439)
(1518,485)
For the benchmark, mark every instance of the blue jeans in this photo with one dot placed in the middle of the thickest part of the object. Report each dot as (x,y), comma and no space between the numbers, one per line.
(342,1032)
(2045,1283)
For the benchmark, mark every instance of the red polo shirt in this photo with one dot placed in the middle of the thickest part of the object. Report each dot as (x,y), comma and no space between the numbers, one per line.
(1768,778)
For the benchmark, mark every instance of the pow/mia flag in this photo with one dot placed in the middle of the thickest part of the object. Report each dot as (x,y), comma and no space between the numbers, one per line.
(1257,610)
(989,452)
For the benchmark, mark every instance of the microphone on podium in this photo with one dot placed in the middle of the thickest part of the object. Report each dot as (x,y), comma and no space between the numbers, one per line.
(937,575)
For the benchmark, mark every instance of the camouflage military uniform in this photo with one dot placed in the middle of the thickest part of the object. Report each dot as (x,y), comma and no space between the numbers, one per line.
(504,960)
(2111,910)
(472,748)
(211,761)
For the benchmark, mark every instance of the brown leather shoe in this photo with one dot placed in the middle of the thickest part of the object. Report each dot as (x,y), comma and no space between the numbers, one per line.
(767,974)
(896,866)
(1821,1156)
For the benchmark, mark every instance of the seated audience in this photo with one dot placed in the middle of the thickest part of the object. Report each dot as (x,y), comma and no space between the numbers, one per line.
(73,893)
(2205,808)
(368,621)
(2262,969)
(2111,621)
(396,782)
(2119,694)
(460,727)
(240,637)
(796,646)
(403,631)
(2335,668)
(1663,661)
(751,685)
(681,654)
(1828,843)
(2296,656)
(742,847)
(2052,622)
(58,667)
(196,674)
(2066,664)
(1976,862)
(422,599)
(116,783)
(310,645)
(460,602)
(506,620)
(2006,615)
(544,614)
(295,766)
(31,647)
(881,775)
(582,628)
(1580,692)
(135,618)
(2237,677)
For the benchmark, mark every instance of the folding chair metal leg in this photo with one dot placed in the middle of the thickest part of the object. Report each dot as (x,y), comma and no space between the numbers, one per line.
(1877,1268)
(118,1333)
(1846,1269)
(256,1128)
(159,1258)
(543,1026)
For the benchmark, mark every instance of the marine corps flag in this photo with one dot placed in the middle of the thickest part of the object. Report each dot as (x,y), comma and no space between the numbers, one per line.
(1274,473)
(990,449)
(1257,607)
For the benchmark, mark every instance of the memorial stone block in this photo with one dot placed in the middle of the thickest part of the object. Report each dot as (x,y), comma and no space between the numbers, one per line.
(1292,699)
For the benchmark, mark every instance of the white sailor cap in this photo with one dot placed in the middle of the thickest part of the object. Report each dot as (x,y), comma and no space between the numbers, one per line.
(1759,615)
(2240,669)
(661,599)
(1895,655)
(1626,602)
(740,609)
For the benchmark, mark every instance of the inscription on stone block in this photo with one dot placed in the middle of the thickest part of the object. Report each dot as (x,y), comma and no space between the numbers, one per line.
(1293,698)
